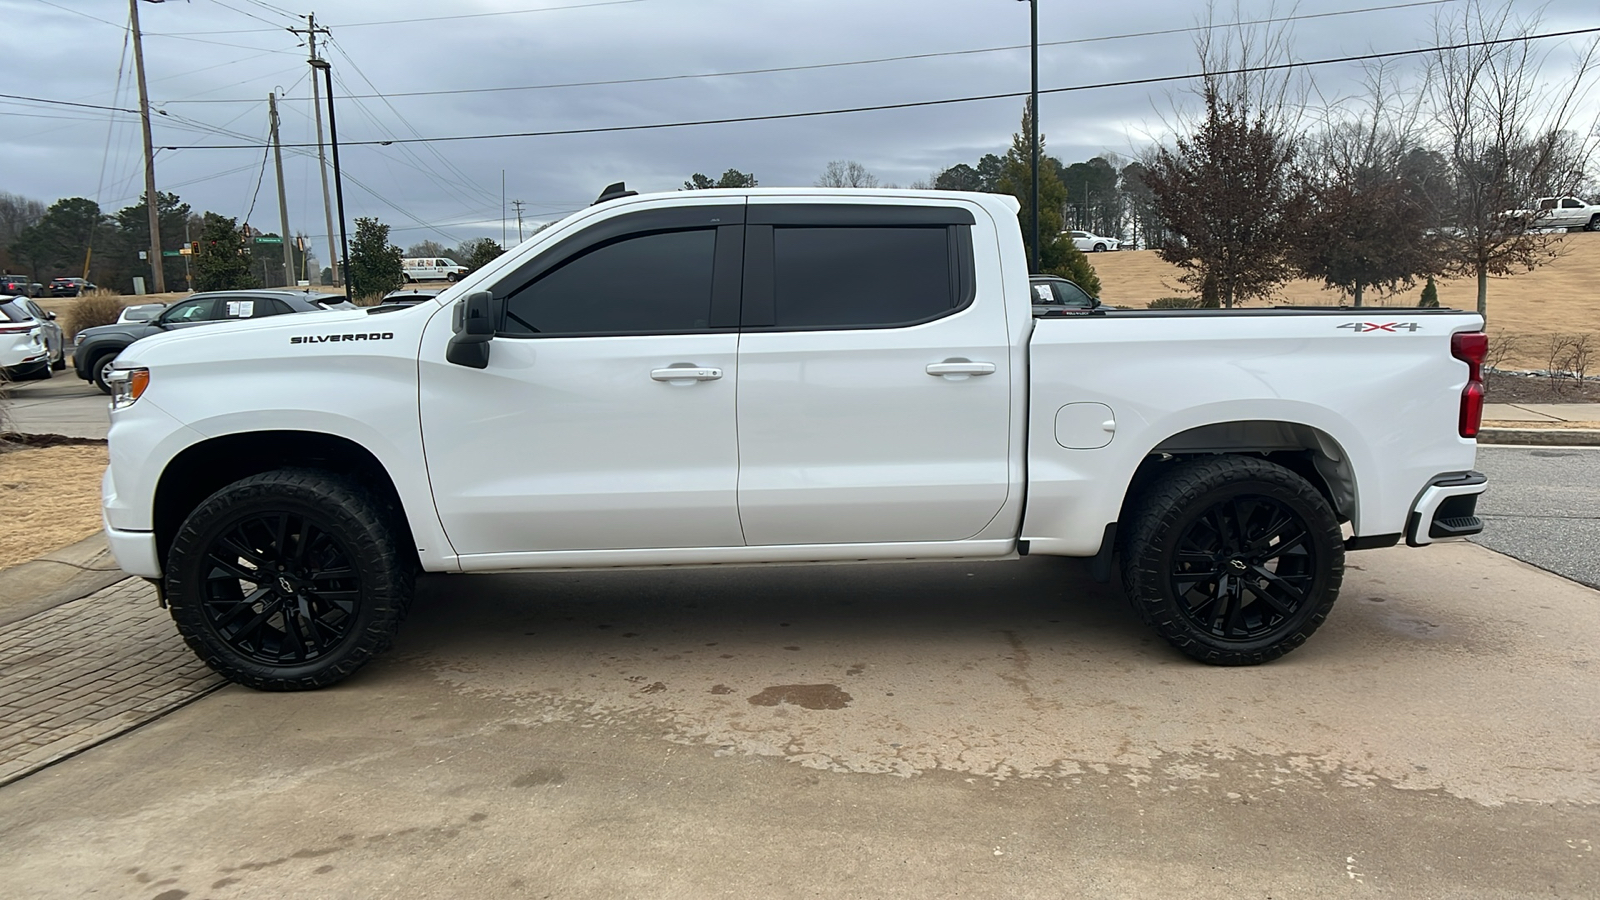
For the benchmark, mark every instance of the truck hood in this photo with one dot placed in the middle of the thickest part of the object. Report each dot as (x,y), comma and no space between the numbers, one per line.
(269,336)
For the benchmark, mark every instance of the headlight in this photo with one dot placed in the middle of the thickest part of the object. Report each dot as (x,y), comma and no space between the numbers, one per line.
(127,386)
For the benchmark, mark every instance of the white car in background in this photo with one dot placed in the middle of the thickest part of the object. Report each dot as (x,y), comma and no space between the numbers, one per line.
(31,344)
(1093,243)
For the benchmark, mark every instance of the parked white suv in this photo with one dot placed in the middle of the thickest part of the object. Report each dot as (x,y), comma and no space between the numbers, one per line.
(778,376)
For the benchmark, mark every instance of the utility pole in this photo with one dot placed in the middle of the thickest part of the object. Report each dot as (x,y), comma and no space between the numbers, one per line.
(502,209)
(311,31)
(338,183)
(158,281)
(518,204)
(283,205)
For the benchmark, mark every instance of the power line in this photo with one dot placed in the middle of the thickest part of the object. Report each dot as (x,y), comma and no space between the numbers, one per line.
(503,12)
(866,62)
(915,104)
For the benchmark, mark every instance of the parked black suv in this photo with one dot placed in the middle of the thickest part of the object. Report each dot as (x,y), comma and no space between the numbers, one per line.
(19,286)
(69,287)
(95,348)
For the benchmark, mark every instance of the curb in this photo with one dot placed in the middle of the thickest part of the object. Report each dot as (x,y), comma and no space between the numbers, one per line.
(1541,437)
(60,576)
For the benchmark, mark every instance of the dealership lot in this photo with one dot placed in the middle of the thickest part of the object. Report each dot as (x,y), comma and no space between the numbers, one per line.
(1005,729)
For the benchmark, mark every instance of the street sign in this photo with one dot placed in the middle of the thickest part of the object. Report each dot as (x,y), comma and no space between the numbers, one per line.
(172,253)
(269,240)
(186,252)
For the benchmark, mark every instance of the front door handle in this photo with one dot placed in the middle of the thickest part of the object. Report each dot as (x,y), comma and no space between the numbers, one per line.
(956,369)
(685,373)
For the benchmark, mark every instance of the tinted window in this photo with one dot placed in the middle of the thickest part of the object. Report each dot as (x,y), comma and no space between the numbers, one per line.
(1568,203)
(11,312)
(270,306)
(861,277)
(645,283)
(188,311)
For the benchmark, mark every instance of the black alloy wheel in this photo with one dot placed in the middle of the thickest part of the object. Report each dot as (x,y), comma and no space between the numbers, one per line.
(289,580)
(1243,567)
(280,588)
(1233,559)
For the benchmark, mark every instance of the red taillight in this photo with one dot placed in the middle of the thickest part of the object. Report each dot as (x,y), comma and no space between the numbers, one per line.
(15,329)
(1471,348)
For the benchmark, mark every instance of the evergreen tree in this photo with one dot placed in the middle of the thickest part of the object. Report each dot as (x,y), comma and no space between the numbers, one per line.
(374,262)
(1430,295)
(220,262)
(1057,256)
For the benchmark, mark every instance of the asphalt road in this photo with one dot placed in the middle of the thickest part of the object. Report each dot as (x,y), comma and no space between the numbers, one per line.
(923,731)
(1543,507)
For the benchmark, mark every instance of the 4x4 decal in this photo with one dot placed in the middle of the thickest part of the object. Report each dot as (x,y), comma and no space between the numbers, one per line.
(1366,327)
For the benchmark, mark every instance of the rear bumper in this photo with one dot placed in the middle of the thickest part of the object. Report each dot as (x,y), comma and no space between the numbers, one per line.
(1447,509)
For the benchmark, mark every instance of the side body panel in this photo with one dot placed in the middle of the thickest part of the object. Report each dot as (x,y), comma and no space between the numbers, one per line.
(1387,402)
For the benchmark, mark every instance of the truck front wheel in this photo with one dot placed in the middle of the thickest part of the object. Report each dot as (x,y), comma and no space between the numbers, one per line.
(289,580)
(1234,560)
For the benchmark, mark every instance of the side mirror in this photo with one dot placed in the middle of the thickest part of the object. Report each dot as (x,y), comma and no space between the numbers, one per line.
(50,314)
(1094,302)
(474,320)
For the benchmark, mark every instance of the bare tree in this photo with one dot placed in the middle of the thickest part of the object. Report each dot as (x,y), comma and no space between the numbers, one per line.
(428,248)
(847,173)
(1505,130)
(1369,224)
(1223,191)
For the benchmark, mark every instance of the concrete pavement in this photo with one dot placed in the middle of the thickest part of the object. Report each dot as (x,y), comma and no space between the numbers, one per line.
(927,730)
(63,405)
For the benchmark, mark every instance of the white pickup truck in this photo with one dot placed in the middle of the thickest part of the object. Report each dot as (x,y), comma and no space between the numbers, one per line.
(1561,212)
(775,376)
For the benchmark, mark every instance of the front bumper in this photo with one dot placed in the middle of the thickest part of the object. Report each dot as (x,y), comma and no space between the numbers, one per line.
(135,552)
(1447,509)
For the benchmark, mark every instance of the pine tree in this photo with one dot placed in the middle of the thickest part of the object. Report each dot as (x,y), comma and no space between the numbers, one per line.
(1057,255)
(1430,295)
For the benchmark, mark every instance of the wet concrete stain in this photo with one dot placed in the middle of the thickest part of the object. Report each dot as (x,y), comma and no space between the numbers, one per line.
(535,778)
(808,696)
(173,894)
(721,689)
(653,688)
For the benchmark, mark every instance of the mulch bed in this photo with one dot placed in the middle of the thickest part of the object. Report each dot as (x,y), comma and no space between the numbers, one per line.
(1501,387)
(11,440)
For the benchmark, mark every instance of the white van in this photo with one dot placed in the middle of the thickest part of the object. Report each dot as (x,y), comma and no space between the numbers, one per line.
(432,268)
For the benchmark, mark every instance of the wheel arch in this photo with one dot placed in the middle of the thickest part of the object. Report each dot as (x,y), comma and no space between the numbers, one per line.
(203,468)
(1304,449)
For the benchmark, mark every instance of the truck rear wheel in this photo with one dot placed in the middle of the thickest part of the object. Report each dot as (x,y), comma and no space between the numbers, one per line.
(289,580)
(1234,560)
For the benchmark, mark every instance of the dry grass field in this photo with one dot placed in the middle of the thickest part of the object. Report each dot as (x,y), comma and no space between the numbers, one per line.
(49,498)
(1560,297)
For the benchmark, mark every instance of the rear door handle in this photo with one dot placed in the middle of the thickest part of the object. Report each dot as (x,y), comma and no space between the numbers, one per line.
(684,373)
(960,367)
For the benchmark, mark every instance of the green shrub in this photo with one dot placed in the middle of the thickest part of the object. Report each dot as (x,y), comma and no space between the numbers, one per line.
(1175,303)
(1430,295)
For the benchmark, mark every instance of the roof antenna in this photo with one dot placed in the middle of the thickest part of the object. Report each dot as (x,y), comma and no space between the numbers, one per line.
(614,192)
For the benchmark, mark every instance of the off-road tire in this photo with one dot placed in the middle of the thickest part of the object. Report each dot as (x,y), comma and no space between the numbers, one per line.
(338,521)
(1193,510)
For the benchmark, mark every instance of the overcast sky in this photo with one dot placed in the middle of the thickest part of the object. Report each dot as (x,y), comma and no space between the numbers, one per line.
(211,64)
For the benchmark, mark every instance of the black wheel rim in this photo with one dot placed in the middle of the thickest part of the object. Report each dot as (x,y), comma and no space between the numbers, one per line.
(1244,567)
(280,589)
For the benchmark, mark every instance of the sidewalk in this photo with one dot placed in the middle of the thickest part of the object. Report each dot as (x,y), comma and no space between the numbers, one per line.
(1564,424)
